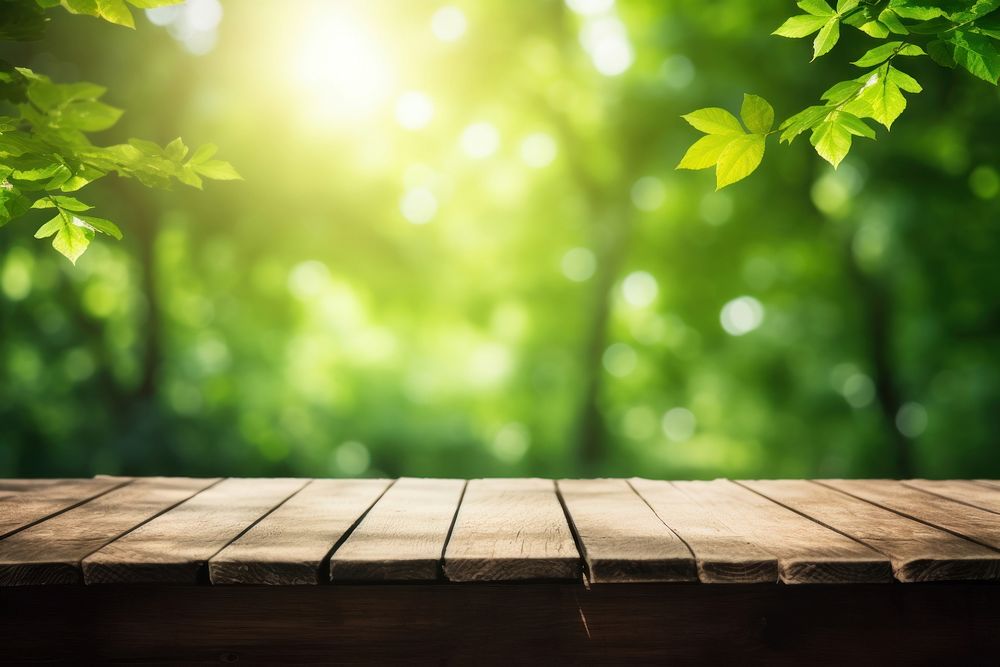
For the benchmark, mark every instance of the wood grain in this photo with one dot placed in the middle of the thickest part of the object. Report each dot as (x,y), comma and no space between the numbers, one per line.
(806,551)
(511,529)
(291,544)
(620,538)
(402,537)
(962,490)
(723,555)
(24,509)
(174,547)
(50,552)
(10,487)
(917,551)
(976,524)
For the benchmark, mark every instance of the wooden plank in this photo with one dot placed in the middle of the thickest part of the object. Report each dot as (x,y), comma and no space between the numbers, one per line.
(511,529)
(620,538)
(50,552)
(291,544)
(806,551)
(174,547)
(918,552)
(25,509)
(402,537)
(723,555)
(9,487)
(962,490)
(976,524)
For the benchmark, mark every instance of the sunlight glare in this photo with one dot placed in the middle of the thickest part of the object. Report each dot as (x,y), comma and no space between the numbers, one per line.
(449,24)
(342,65)
(414,110)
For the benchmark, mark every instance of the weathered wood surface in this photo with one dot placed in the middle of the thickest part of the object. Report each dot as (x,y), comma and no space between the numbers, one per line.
(291,544)
(299,531)
(972,523)
(402,538)
(807,552)
(918,552)
(723,555)
(21,510)
(174,547)
(620,537)
(962,490)
(50,552)
(509,530)
(10,487)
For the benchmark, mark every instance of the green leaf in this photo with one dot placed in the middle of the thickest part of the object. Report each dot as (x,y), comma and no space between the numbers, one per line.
(804,120)
(816,7)
(13,203)
(218,170)
(176,150)
(705,152)
(904,81)
(101,225)
(881,53)
(72,240)
(115,11)
(826,38)
(50,227)
(976,54)
(890,20)
(854,125)
(711,120)
(978,10)
(832,141)
(802,25)
(757,114)
(150,4)
(881,98)
(840,92)
(942,53)
(919,10)
(63,202)
(204,152)
(739,159)
(875,29)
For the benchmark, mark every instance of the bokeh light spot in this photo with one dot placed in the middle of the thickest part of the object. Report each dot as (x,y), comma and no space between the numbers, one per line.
(578,264)
(640,289)
(620,359)
(911,420)
(648,193)
(414,110)
(678,424)
(418,206)
(449,24)
(538,150)
(741,315)
(480,140)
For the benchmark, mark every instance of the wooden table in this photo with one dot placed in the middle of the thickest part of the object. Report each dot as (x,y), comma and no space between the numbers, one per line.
(500,570)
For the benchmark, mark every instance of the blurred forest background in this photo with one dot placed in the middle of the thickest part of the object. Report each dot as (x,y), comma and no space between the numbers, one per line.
(461,248)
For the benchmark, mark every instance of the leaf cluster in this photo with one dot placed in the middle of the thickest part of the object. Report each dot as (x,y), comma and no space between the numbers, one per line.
(45,150)
(953,33)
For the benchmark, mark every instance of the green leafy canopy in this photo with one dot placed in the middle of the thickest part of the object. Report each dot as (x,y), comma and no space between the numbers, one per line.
(45,150)
(953,33)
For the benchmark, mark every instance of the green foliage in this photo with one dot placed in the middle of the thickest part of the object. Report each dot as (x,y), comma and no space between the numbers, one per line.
(44,145)
(735,152)
(954,33)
